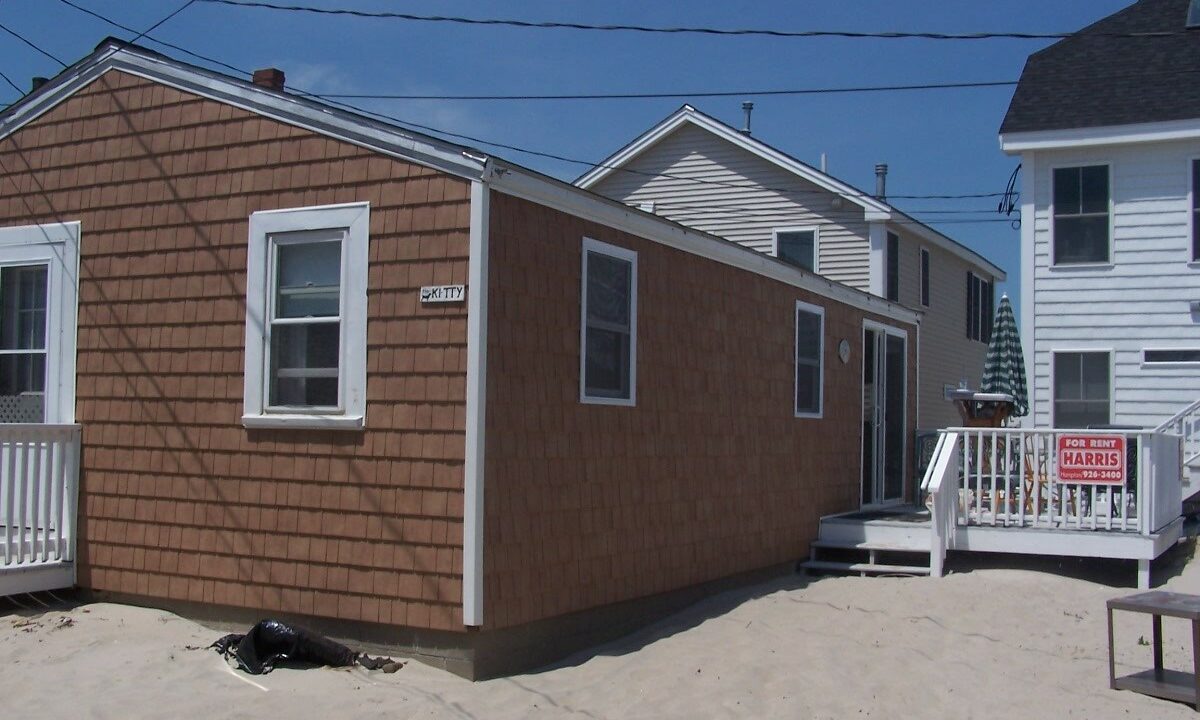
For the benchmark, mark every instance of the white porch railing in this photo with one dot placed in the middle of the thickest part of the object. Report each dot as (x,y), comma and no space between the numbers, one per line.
(940,484)
(39,476)
(1008,477)
(1186,422)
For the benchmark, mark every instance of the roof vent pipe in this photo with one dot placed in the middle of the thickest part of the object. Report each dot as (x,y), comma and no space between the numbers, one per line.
(271,78)
(824,163)
(881,181)
(747,107)
(37,83)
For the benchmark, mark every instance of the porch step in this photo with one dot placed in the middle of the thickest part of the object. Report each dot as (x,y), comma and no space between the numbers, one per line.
(877,546)
(867,567)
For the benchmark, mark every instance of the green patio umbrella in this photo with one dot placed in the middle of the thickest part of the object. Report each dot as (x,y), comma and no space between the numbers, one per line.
(1004,369)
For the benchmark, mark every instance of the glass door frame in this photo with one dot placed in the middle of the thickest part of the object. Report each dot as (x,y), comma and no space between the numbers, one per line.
(879,333)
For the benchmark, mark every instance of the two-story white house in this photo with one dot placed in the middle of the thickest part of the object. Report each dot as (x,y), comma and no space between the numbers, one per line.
(701,172)
(1107,126)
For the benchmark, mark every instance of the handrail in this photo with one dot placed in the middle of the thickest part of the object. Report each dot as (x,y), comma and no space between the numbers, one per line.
(941,483)
(1190,409)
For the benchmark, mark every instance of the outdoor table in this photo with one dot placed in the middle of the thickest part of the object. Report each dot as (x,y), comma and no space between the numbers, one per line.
(1159,682)
(977,409)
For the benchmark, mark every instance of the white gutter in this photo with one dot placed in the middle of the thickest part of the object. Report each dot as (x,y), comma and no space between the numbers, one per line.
(476,411)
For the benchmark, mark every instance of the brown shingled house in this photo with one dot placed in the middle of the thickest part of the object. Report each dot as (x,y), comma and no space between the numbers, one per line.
(322,367)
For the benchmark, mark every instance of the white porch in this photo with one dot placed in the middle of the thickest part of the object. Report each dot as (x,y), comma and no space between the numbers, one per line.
(1001,490)
(39,473)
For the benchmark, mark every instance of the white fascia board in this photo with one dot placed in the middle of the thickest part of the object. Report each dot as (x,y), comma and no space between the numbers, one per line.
(342,125)
(519,182)
(875,209)
(938,240)
(1016,143)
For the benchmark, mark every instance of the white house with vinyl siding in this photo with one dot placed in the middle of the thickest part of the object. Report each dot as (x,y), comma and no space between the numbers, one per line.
(1110,256)
(703,173)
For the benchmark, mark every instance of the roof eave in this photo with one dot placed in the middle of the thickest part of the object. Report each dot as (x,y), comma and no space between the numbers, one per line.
(1025,141)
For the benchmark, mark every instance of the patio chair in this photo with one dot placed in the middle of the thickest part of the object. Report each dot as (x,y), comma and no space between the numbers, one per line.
(1037,480)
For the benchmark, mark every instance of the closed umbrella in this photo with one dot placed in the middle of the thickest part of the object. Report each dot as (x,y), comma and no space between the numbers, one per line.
(1004,369)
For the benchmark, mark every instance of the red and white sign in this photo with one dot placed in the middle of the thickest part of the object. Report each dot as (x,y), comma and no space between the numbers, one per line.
(1091,459)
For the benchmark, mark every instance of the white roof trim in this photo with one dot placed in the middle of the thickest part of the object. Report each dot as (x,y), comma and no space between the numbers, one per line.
(1018,142)
(518,182)
(356,129)
(876,210)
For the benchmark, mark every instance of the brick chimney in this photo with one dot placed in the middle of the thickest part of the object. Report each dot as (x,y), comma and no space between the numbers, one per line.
(271,78)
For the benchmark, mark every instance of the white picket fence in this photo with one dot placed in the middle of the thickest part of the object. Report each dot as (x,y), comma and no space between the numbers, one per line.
(39,475)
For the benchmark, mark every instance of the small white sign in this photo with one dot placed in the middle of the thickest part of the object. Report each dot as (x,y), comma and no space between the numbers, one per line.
(443,293)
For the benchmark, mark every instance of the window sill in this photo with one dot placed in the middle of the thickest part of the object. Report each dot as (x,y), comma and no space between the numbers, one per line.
(619,402)
(810,416)
(309,422)
(1195,264)
(1083,266)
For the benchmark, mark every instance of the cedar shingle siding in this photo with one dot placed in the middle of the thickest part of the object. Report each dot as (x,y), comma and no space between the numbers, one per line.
(178,500)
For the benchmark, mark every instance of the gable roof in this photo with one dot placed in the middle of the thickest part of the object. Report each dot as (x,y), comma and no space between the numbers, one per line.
(1095,78)
(396,141)
(873,208)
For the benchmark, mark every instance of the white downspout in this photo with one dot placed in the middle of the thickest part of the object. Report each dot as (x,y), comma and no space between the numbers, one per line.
(476,415)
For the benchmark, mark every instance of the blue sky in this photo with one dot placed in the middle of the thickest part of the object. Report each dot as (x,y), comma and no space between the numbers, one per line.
(935,142)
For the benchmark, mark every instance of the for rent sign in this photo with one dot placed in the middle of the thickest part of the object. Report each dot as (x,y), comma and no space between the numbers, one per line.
(1093,459)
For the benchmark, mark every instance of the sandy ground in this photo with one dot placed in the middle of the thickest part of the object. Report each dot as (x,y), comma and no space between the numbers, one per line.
(984,642)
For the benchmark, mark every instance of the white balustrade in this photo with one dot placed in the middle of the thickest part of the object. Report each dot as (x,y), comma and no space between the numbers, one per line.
(39,475)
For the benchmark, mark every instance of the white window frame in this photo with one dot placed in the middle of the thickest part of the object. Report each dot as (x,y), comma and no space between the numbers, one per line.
(926,288)
(819,311)
(1112,388)
(591,245)
(55,245)
(354,219)
(1169,363)
(1097,264)
(814,229)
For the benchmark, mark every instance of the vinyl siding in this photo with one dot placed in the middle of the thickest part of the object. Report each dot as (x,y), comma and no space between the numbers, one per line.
(774,198)
(1139,301)
(947,357)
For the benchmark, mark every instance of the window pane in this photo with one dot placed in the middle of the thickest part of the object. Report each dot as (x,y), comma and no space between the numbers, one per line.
(893,267)
(1066,191)
(1094,189)
(304,364)
(608,290)
(808,336)
(1068,381)
(808,388)
(1094,369)
(1196,210)
(1080,239)
(797,248)
(22,373)
(1080,414)
(309,279)
(23,307)
(1170,356)
(924,277)
(606,367)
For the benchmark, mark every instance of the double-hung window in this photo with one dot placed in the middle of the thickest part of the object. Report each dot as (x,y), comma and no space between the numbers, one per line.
(1082,389)
(608,336)
(306,308)
(797,247)
(810,345)
(1081,215)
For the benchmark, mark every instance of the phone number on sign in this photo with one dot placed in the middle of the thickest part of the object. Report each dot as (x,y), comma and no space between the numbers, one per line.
(1098,474)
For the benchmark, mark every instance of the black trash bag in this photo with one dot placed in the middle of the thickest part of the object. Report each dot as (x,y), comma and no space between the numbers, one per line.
(270,641)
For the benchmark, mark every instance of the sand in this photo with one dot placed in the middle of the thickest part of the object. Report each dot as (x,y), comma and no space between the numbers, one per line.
(983,642)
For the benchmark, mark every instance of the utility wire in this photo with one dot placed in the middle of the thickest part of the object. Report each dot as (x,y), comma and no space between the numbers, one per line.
(544,25)
(30,44)
(155,26)
(537,153)
(8,80)
(668,95)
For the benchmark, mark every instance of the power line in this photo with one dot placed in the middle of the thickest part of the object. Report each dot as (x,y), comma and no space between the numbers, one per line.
(155,26)
(668,95)
(30,44)
(411,125)
(550,25)
(8,80)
